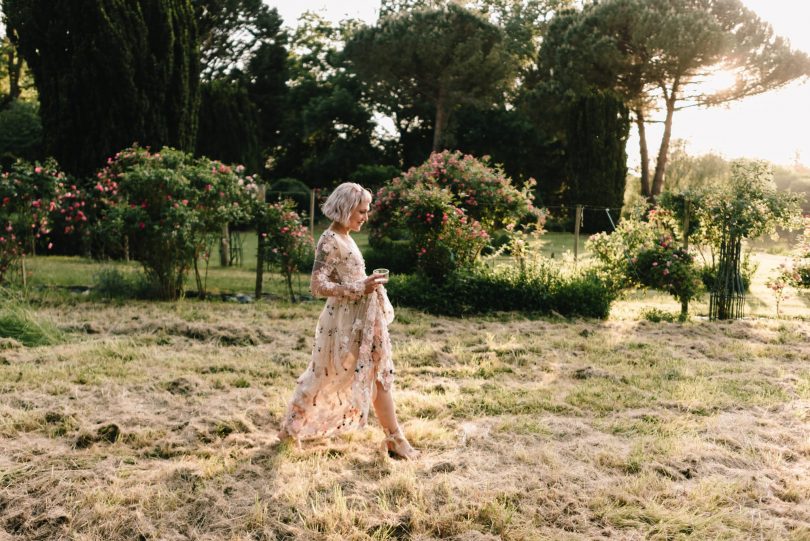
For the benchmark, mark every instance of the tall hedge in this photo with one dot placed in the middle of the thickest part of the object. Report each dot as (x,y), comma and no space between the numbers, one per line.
(109,73)
(597,126)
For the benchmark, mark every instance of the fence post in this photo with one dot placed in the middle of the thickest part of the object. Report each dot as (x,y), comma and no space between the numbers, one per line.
(577,222)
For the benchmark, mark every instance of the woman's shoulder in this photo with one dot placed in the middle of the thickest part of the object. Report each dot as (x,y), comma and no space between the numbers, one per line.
(329,240)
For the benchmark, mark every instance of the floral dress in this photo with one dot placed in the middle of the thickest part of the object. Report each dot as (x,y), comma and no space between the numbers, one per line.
(352,348)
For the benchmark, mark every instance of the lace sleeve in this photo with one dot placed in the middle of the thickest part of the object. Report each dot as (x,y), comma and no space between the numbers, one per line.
(325,279)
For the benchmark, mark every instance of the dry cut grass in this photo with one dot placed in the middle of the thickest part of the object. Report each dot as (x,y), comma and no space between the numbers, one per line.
(157,421)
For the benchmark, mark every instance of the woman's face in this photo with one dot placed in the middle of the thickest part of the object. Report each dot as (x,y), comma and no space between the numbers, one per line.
(359,216)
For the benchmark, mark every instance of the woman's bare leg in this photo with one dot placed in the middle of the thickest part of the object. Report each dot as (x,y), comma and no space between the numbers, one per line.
(395,440)
(385,409)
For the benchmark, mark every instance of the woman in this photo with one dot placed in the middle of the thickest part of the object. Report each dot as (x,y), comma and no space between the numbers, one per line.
(351,364)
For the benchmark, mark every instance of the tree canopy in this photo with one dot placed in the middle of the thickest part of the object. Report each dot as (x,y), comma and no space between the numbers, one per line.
(110,72)
(446,56)
(655,54)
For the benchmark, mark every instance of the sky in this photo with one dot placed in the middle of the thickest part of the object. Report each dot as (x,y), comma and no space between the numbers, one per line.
(774,126)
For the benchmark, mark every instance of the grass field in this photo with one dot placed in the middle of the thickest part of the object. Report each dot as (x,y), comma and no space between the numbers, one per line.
(144,420)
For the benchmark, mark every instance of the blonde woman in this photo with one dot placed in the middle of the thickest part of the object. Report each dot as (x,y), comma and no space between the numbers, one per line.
(351,366)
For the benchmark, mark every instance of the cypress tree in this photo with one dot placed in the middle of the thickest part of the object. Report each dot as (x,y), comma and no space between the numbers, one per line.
(596,137)
(110,73)
(228,129)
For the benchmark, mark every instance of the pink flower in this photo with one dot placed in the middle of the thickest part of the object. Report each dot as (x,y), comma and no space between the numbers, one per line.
(37,169)
(50,245)
(142,225)
(655,263)
(666,271)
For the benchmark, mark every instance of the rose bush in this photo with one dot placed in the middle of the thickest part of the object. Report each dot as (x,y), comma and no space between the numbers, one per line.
(667,267)
(283,239)
(34,198)
(171,207)
(447,208)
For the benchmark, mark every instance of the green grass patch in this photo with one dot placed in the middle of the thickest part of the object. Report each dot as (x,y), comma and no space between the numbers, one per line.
(18,321)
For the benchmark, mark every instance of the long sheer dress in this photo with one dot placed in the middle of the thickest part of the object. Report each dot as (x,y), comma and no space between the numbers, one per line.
(352,348)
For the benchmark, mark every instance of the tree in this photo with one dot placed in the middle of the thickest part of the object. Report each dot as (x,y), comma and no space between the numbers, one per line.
(326,129)
(685,172)
(655,53)
(596,138)
(110,72)
(228,128)
(231,32)
(447,57)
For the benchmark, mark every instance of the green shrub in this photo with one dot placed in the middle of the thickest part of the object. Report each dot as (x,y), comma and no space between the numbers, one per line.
(666,267)
(541,289)
(657,316)
(394,255)
(34,198)
(172,208)
(290,188)
(20,132)
(111,283)
(445,208)
(284,241)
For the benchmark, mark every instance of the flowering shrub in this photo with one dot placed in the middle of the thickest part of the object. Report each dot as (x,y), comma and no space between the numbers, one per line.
(283,239)
(32,199)
(780,283)
(171,206)
(443,236)
(801,258)
(666,267)
(447,207)
(614,251)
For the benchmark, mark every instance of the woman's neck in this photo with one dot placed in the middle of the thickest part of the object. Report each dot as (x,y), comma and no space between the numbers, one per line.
(339,228)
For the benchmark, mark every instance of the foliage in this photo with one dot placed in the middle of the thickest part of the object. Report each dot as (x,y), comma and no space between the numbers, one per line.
(171,207)
(446,207)
(228,129)
(111,283)
(231,32)
(657,316)
(666,267)
(694,173)
(636,48)
(129,70)
(798,275)
(20,132)
(33,197)
(283,239)
(596,136)
(446,56)
(615,251)
(749,206)
(325,127)
(643,253)
(290,188)
(541,289)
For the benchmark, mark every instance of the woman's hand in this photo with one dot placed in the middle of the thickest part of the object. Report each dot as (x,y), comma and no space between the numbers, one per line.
(372,282)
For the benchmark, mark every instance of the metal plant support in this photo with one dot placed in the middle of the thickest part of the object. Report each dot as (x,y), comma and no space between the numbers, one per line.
(727,298)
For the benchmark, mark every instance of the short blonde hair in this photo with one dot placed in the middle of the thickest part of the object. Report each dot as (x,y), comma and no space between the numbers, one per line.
(343,200)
